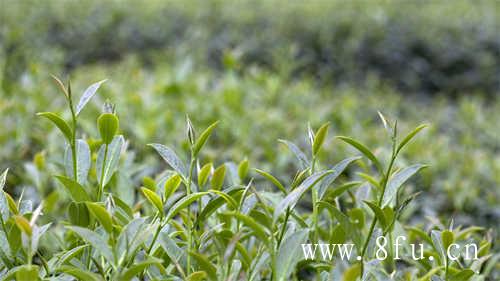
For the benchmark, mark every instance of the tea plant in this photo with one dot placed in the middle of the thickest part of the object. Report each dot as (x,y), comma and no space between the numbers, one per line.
(202,220)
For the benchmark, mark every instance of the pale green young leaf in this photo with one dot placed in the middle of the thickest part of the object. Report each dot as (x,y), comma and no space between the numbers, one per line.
(259,231)
(87,95)
(60,124)
(205,264)
(183,203)
(364,150)
(102,215)
(197,276)
(203,174)
(154,199)
(272,179)
(319,138)
(410,136)
(171,185)
(79,273)
(203,138)
(27,272)
(218,176)
(138,268)
(243,169)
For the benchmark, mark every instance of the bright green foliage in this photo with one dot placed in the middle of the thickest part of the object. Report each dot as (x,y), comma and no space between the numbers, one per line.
(232,222)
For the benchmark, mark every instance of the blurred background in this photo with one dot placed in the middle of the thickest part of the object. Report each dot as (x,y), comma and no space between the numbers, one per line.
(265,69)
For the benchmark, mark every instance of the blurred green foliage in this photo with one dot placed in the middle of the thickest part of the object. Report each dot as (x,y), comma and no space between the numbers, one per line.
(265,70)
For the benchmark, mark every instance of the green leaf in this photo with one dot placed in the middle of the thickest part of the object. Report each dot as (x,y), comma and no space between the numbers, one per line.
(69,255)
(397,180)
(303,161)
(27,272)
(197,276)
(379,214)
(112,160)
(447,238)
(272,179)
(293,197)
(87,95)
(102,215)
(80,274)
(243,169)
(410,136)
(337,170)
(23,224)
(218,177)
(138,268)
(82,161)
(364,150)
(289,253)
(256,228)
(108,124)
(59,122)
(319,138)
(170,157)
(343,188)
(183,203)
(75,190)
(171,185)
(203,174)
(4,205)
(176,254)
(79,214)
(95,240)
(216,203)
(348,227)
(463,275)
(231,202)
(154,199)
(60,85)
(203,138)
(205,265)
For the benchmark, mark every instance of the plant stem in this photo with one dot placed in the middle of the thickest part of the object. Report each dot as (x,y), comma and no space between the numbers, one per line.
(101,185)
(189,223)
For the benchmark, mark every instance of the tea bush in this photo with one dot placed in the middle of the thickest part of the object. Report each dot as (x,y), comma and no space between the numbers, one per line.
(200,218)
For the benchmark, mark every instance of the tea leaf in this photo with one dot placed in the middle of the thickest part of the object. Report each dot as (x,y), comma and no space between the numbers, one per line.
(218,177)
(256,228)
(319,138)
(243,169)
(95,240)
(79,214)
(154,199)
(303,161)
(197,276)
(203,174)
(183,203)
(170,157)
(205,264)
(78,273)
(75,190)
(60,124)
(4,205)
(137,268)
(293,197)
(23,224)
(82,161)
(397,180)
(87,95)
(379,214)
(171,185)
(363,149)
(410,136)
(112,160)
(102,215)
(447,238)
(27,272)
(272,179)
(337,170)
(203,138)
(290,252)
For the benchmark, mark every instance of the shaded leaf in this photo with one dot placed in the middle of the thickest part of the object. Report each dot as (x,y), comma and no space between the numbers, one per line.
(289,253)
(397,180)
(75,190)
